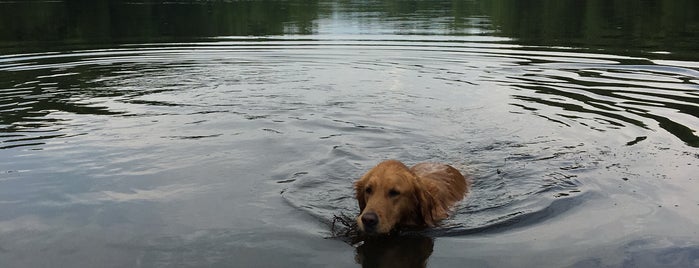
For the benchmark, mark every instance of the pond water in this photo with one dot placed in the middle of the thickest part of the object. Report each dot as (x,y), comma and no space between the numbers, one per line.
(148,134)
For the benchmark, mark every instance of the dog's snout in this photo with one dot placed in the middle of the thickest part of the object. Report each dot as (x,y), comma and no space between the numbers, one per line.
(370,219)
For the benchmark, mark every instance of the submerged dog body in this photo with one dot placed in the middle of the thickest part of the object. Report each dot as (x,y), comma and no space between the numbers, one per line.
(391,194)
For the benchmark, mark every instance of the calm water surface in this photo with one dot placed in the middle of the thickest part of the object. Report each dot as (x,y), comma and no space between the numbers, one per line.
(227,134)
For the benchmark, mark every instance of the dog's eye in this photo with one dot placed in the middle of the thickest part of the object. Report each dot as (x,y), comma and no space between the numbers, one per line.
(393,193)
(368,190)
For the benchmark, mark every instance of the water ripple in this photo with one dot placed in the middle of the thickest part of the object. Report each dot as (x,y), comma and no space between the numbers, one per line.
(530,124)
(611,96)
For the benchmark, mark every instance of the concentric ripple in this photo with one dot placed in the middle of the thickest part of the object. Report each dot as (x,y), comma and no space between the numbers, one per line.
(535,127)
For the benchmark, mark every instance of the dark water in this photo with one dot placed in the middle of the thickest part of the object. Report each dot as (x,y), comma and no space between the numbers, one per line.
(187,133)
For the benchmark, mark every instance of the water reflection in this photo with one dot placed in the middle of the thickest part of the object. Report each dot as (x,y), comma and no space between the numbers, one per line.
(93,22)
(395,251)
(660,26)
(199,90)
(612,96)
(647,253)
(152,149)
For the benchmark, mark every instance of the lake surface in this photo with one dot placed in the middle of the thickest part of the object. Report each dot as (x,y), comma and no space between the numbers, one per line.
(228,134)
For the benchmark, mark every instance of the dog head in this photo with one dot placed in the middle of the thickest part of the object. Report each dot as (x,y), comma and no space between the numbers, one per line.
(390,195)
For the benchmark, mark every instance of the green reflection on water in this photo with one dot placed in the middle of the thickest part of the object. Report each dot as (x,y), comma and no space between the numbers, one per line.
(667,26)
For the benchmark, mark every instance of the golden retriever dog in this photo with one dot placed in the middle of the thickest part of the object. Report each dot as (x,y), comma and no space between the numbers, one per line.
(391,194)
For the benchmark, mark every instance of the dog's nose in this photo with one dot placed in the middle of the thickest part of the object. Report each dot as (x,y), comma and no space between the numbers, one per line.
(370,219)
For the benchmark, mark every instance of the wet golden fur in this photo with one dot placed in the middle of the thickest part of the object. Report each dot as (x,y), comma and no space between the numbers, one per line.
(396,195)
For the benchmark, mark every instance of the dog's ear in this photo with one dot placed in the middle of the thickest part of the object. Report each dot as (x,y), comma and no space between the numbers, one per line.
(425,203)
(359,192)
(431,210)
